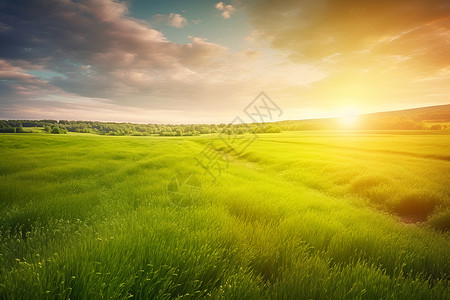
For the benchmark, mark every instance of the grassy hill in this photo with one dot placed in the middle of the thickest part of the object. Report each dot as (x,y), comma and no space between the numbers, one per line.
(423,118)
(438,113)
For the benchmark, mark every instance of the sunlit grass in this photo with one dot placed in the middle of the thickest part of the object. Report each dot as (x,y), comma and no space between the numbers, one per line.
(311,215)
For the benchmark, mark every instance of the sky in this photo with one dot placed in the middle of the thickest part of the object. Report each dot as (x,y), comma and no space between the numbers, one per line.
(204,61)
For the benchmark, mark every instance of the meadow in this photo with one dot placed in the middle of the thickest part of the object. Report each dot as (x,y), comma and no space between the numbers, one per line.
(297,215)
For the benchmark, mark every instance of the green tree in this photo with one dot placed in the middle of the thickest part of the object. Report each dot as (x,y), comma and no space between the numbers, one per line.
(56,130)
(19,129)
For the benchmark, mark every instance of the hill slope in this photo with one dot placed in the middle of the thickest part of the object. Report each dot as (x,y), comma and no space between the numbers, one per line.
(423,118)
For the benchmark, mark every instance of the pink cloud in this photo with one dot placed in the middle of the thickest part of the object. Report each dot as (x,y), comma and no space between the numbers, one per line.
(173,20)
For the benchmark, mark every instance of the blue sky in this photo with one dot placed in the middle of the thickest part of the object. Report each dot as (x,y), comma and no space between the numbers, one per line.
(203,61)
(230,32)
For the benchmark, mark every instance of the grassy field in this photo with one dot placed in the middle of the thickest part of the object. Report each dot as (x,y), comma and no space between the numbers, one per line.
(299,215)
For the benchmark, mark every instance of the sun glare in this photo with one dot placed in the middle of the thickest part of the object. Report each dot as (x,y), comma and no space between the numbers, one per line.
(349,117)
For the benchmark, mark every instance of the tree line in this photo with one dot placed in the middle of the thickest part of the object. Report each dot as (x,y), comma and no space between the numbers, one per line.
(121,129)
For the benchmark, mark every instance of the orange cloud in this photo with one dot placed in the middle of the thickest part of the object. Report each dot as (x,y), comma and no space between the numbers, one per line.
(373,51)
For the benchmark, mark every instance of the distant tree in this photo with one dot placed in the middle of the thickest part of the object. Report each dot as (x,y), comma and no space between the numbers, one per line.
(110,128)
(56,130)
(436,127)
(203,129)
(272,129)
(19,129)
(6,128)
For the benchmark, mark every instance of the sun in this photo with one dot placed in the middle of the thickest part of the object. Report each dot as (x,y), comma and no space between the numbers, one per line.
(349,117)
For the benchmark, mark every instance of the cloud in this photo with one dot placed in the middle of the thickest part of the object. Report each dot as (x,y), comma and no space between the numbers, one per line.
(226,10)
(173,20)
(118,49)
(316,29)
(177,20)
(373,51)
(102,60)
(220,6)
(15,82)
(26,96)
(95,33)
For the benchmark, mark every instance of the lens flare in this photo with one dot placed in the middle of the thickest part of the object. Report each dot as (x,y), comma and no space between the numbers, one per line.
(349,117)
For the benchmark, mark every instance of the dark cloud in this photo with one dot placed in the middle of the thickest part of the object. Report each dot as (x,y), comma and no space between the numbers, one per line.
(101,57)
(95,32)
(99,50)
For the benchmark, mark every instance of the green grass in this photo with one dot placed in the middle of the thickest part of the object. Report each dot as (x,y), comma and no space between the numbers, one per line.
(320,215)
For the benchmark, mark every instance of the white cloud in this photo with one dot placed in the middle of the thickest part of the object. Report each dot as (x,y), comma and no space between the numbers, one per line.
(226,9)
(177,20)
(173,20)
(220,6)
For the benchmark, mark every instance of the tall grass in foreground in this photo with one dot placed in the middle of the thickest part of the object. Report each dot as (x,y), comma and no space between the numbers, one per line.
(88,217)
